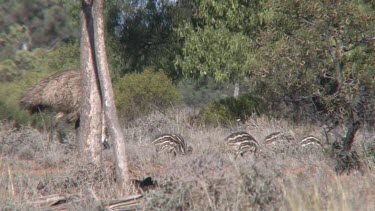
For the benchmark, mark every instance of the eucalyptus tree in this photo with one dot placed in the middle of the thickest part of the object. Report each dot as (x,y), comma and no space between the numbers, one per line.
(218,42)
(97,91)
(315,54)
(322,53)
(141,35)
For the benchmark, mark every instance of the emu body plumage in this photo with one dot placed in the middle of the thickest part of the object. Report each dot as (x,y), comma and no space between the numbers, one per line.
(60,92)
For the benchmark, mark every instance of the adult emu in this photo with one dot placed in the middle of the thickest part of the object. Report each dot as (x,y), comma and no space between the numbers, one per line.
(60,92)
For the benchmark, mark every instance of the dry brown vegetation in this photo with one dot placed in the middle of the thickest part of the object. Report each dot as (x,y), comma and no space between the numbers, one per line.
(283,177)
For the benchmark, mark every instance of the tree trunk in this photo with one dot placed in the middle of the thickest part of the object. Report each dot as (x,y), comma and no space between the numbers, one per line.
(110,112)
(347,159)
(91,108)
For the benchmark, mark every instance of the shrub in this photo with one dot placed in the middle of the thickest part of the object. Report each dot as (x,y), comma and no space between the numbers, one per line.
(228,110)
(8,71)
(137,94)
(10,95)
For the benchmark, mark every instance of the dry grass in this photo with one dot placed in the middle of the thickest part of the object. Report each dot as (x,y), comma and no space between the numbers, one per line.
(282,177)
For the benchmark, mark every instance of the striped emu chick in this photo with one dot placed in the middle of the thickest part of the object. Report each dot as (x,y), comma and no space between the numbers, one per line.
(310,141)
(171,143)
(239,143)
(278,136)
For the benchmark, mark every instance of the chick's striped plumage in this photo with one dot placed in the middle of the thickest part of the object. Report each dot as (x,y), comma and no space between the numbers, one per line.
(310,140)
(276,137)
(241,142)
(170,143)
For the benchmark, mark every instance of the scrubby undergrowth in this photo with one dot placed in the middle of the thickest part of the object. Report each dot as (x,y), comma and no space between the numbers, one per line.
(282,177)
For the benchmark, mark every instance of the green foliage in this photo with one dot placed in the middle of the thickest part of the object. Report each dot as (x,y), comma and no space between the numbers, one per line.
(27,68)
(15,60)
(10,95)
(140,35)
(22,62)
(228,110)
(64,56)
(313,48)
(46,20)
(13,40)
(137,94)
(215,52)
(219,41)
(288,51)
(236,16)
(288,66)
(73,11)
(8,70)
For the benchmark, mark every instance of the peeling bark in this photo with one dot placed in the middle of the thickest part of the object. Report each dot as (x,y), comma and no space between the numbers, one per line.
(90,130)
(109,107)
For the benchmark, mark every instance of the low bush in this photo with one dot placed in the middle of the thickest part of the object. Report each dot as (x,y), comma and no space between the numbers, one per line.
(10,95)
(138,94)
(228,110)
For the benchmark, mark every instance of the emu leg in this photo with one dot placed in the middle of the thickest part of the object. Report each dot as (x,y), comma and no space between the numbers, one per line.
(58,118)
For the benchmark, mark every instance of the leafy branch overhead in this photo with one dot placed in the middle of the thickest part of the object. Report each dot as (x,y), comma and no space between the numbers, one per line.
(218,53)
